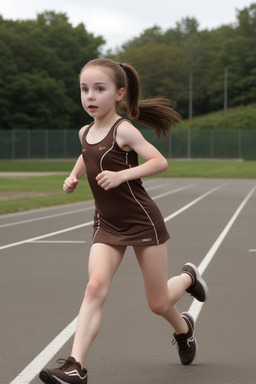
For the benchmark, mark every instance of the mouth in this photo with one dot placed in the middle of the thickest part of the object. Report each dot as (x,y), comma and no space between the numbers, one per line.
(92,108)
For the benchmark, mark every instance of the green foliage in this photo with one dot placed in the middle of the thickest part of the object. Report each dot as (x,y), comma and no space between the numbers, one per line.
(41,60)
(237,118)
(165,60)
(40,63)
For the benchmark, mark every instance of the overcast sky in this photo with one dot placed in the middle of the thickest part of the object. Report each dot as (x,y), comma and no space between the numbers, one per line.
(120,20)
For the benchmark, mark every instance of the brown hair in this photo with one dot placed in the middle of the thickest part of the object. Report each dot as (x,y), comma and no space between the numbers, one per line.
(155,113)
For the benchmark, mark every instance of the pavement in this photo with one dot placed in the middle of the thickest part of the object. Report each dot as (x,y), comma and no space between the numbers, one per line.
(43,274)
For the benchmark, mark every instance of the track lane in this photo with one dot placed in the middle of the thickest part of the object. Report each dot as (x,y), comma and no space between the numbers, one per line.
(165,201)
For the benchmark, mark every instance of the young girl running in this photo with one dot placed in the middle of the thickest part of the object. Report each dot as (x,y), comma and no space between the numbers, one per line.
(125,215)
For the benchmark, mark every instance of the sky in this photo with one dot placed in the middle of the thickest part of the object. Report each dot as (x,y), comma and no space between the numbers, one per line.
(120,20)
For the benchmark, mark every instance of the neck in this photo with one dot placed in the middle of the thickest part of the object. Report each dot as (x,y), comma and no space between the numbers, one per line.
(105,121)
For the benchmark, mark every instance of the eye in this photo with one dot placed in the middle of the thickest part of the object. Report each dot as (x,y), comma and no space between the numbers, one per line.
(100,89)
(84,89)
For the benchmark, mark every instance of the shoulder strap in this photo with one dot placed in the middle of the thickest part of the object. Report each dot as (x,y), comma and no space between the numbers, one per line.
(116,125)
(83,131)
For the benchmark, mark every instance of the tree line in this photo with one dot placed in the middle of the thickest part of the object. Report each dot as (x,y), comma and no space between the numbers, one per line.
(167,60)
(40,63)
(41,60)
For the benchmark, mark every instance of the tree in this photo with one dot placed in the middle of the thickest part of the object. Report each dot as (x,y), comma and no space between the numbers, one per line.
(165,61)
(40,63)
(150,35)
(187,26)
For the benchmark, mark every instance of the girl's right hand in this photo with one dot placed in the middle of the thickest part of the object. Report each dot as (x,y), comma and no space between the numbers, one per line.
(70,184)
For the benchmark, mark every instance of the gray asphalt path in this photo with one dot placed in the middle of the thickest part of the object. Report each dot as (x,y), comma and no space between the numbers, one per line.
(43,274)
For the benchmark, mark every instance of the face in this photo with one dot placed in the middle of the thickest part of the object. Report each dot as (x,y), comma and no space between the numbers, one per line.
(98,92)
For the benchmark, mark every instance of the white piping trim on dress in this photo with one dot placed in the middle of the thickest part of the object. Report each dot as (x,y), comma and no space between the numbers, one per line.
(95,234)
(113,143)
(127,182)
(101,168)
(137,201)
(132,193)
(98,227)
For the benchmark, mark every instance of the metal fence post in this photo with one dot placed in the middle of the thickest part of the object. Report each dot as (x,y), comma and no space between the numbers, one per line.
(46,144)
(28,143)
(189,144)
(65,143)
(13,144)
(240,144)
(212,143)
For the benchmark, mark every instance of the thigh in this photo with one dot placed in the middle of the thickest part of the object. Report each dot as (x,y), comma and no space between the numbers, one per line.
(104,260)
(154,267)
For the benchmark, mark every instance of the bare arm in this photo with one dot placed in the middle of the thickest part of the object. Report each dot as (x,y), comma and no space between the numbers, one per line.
(154,163)
(129,138)
(78,171)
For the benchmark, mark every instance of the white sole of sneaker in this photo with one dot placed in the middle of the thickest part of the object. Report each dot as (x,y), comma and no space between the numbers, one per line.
(47,378)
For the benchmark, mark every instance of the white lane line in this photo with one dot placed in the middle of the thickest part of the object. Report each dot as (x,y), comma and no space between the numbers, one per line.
(252,250)
(196,306)
(46,235)
(192,203)
(71,228)
(47,354)
(46,217)
(69,212)
(155,187)
(171,192)
(42,359)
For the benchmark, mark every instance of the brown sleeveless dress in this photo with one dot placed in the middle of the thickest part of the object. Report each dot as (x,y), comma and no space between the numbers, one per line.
(125,215)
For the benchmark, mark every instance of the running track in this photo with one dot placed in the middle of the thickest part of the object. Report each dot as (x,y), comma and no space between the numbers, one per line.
(44,256)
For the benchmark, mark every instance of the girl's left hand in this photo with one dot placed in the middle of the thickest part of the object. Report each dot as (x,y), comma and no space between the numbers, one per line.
(109,179)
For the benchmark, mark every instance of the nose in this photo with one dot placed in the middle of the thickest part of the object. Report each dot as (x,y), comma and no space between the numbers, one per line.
(90,95)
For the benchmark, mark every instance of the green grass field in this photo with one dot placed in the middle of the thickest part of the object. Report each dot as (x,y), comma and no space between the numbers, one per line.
(242,117)
(19,193)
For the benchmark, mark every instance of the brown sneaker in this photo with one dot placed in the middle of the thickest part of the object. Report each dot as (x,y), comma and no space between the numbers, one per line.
(70,372)
(198,288)
(186,342)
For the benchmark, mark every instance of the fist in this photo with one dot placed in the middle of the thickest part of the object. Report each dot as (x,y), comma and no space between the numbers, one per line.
(70,185)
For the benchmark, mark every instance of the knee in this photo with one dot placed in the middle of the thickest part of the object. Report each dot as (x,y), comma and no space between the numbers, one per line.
(158,308)
(95,290)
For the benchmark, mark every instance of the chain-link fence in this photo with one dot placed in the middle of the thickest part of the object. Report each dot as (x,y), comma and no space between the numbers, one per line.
(204,144)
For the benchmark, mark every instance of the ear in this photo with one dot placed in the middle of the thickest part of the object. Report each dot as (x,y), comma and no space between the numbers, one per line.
(120,94)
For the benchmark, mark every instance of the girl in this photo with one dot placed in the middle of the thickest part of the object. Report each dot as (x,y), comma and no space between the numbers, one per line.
(124,212)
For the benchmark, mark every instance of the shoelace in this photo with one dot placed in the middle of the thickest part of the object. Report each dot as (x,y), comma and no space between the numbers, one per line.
(183,343)
(66,364)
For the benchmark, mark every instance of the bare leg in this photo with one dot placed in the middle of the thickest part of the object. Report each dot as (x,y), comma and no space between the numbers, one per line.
(162,295)
(103,263)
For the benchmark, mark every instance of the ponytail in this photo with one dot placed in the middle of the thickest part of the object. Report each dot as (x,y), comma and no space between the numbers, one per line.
(155,113)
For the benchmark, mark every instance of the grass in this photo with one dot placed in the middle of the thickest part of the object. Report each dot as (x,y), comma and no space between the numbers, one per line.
(213,169)
(30,192)
(19,193)
(36,166)
(242,117)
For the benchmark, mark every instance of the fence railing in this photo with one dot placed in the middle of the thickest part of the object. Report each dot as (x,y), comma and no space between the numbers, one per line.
(205,144)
